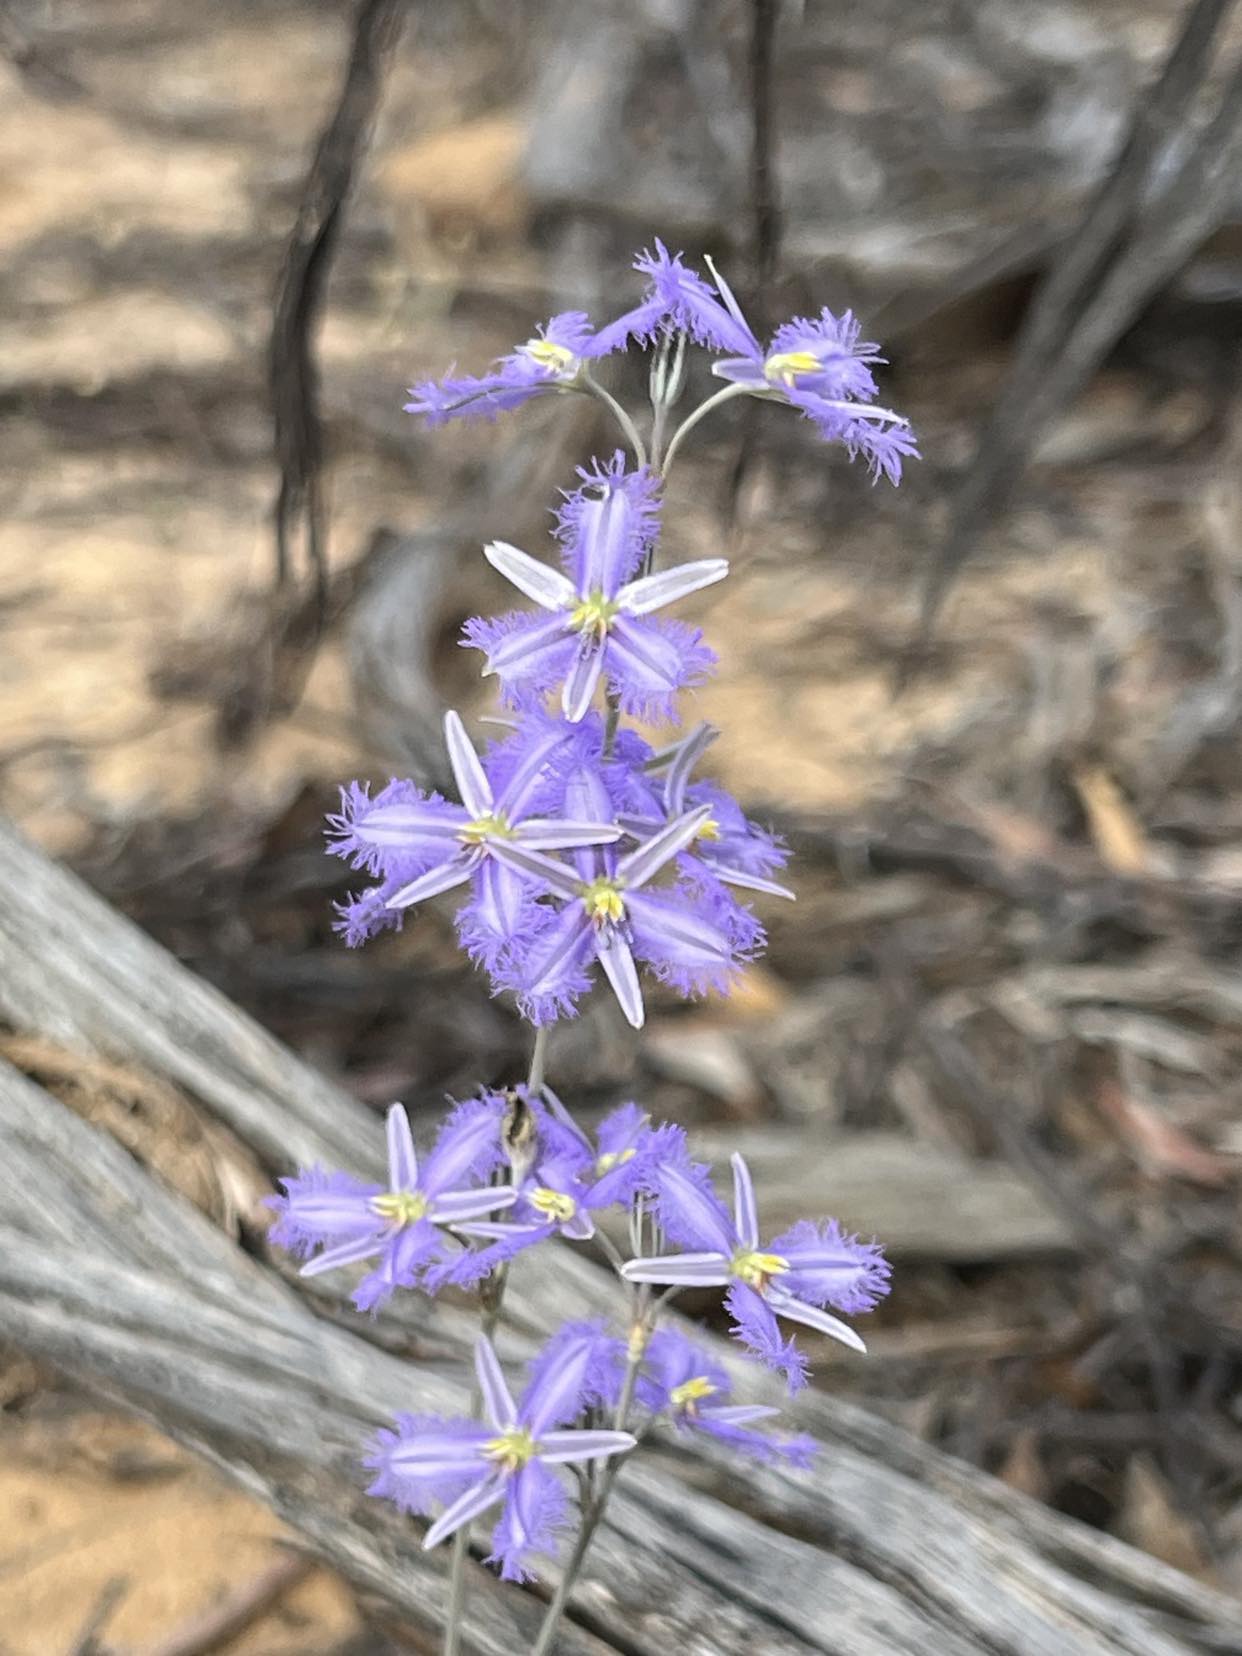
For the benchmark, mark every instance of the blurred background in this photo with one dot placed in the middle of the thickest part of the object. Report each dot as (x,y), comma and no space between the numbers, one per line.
(996,712)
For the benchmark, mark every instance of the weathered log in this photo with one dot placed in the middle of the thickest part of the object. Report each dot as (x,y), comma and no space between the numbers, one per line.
(926,1201)
(885,1547)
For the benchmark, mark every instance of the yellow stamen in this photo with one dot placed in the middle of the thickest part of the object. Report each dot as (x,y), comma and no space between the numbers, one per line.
(403,1207)
(709,831)
(756,1270)
(613,1158)
(554,1203)
(688,1394)
(593,614)
(495,825)
(604,901)
(785,367)
(512,1449)
(559,358)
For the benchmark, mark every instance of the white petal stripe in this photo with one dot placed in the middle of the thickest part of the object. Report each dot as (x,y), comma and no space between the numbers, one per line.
(652,592)
(547,586)
(472,784)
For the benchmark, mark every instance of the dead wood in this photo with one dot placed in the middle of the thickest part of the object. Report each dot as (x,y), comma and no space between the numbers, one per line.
(925,1201)
(886,1547)
(1126,246)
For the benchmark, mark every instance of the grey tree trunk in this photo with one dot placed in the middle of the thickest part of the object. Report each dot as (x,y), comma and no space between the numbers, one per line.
(886,1548)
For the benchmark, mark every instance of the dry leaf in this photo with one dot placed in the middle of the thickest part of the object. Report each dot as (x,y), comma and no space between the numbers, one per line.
(1149,1519)
(1115,830)
(1157,1144)
(1023,1469)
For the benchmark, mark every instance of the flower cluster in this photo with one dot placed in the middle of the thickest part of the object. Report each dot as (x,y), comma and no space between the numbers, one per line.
(573,844)
(820,366)
(431,1226)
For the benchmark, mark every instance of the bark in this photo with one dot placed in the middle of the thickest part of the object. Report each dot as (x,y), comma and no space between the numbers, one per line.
(886,1547)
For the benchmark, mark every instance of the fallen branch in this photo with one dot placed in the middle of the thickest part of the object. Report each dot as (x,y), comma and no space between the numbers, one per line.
(886,1548)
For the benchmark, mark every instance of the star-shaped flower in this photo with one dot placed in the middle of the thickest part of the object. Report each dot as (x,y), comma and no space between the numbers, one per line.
(793,1276)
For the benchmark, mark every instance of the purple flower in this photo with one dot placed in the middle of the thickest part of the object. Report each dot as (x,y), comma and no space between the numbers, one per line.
(554,360)
(683,1381)
(729,846)
(474,1466)
(820,366)
(626,1153)
(423,845)
(693,306)
(795,1276)
(352,1220)
(551,361)
(574,1178)
(609,917)
(597,622)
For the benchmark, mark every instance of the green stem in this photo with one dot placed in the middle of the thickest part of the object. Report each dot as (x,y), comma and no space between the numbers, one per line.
(691,420)
(538,1061)
(618,413)
(461,1541)
(491,1308)
(592,1514)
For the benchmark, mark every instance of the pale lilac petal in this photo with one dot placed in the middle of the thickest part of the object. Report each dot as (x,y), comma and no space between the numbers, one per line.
(561,954)
(698,1214)
(639,323)
(499,897)
(521,1507)
(526,861)
(583,677)
(605,540)
(497,1228)
(535,755)
(861,411)
(586,797)
(547,586)
(472,783)
(402,1158)
(439,1454)
(689,1270)
(644,658)
(694,306)
(497,1397)
(652,592)
(346,1253)
(742,371)
(745,1213)
(566,1120)
(685,757)
(729,301)
(799,1311)
(580,1228)
(455,872)
(639,827)
(636,867)
(619,968)
(403,826)
(319,1213)
(555,1394)
(562,1448)
(752,882)
(470,1204)
(664,931)
(557,833)
(519,653)
(477,1499)
(741,1414)
(467,1148)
